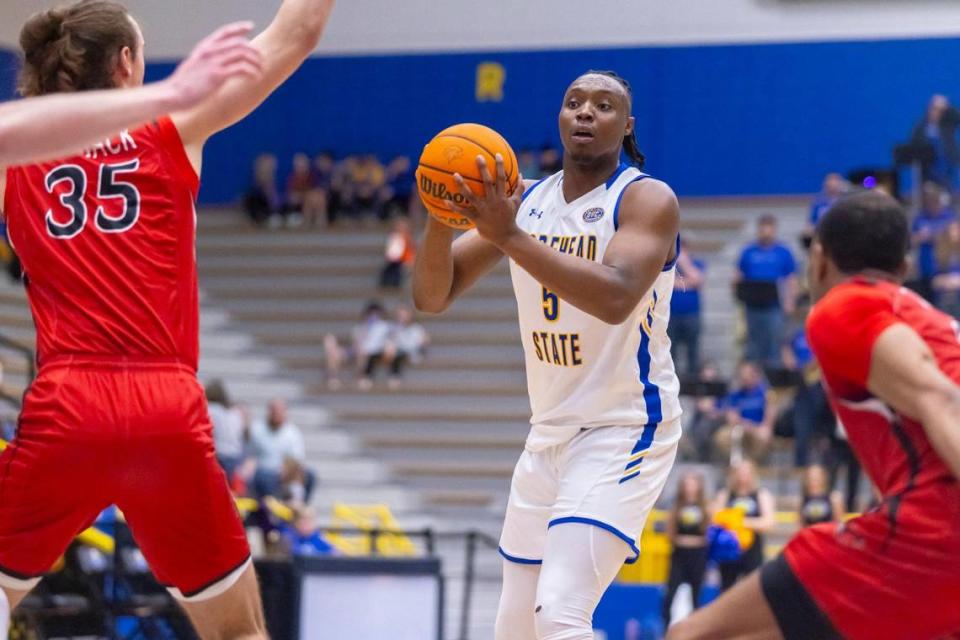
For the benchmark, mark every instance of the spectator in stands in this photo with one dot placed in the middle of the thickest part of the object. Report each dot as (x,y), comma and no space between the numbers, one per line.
(306,200)
(684,327)
(262,202)
(841,456)
(279,452)
(834,186)
(369,342)
(302,536)
(398,254)
(529,165)
(408,344)
(936,133)
(931,221)
(230,432)
(687,530)
(708,417)
(368,178)
(810,413)
(324,169)
(551,161)
(342,189)
(946,282)
(748,429)
(819,504)
(744,492)
(767,286)
(398,190)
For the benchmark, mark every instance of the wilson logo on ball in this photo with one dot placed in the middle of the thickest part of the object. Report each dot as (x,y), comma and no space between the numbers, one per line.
(592,215)
(439,190)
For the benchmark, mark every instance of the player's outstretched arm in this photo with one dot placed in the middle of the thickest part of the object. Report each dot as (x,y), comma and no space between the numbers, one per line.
(904,374)
(45,127)
(445,267)
(283,45)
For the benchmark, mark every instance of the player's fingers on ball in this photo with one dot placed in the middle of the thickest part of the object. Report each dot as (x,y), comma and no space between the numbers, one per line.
(501,176)
(463,211)
(468,196)
(488,182)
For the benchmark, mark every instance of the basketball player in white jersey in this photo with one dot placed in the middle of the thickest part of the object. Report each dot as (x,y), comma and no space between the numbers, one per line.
(592,252)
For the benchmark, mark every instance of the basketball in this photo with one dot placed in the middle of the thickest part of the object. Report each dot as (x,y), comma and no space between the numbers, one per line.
(455,150)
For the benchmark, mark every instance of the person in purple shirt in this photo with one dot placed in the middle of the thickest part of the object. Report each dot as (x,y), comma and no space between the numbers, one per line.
(684,327)
(931,221)
(767,286)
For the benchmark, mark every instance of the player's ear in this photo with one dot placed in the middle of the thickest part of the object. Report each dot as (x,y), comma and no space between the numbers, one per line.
(631,125)
(124,65)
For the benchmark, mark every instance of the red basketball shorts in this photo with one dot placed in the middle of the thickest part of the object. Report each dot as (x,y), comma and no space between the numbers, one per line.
(94,433)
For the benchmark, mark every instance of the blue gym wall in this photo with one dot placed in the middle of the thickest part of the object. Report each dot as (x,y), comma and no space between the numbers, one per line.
(713,120)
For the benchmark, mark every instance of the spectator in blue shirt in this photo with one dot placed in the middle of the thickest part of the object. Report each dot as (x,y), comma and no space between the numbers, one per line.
(931,221)
(684,327)
(767,286)
(810,414)
(747,418)
(946,284)
(834,187)
(937,132)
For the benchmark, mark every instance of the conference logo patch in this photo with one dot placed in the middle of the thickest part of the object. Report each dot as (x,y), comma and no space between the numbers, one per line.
(592,215)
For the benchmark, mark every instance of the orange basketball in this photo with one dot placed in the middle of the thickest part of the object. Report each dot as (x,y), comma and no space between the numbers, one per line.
(455,150)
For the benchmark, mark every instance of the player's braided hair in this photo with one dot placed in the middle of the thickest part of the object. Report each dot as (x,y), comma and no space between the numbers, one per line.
(630,145)
(74,48)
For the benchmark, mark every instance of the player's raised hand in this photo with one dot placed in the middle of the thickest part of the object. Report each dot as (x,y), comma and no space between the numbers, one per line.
(224,54)
(495,212)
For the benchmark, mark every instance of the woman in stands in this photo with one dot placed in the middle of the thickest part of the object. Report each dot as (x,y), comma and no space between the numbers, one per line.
(743,491)
(820,504)
(116,415)
(687,529)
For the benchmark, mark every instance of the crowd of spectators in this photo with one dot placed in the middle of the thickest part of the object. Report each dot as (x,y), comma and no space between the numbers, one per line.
(261,458)
(325,191)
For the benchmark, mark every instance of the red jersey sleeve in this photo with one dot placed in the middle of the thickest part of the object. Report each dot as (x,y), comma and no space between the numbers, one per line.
(843,327)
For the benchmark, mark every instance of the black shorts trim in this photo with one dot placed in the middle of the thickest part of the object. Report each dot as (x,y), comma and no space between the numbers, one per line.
(10,573)
(798,616)
(221,578)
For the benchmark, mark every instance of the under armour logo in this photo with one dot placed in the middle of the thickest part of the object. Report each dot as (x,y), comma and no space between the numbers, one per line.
(536,214)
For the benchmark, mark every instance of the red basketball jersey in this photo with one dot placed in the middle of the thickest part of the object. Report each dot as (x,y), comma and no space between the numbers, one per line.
(107,242)
(842,329)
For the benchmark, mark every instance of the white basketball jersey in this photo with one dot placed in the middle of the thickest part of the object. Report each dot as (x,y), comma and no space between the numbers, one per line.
(581,371)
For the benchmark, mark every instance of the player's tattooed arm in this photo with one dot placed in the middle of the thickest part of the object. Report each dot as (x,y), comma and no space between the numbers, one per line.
(904,373)
(445,267)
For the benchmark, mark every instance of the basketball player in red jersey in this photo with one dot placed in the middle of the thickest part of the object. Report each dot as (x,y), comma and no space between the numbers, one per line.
(116,415)
(891,364)
(44,127)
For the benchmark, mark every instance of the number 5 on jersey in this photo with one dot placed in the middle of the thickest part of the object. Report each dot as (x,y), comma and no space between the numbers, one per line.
(109,186)
(551,305)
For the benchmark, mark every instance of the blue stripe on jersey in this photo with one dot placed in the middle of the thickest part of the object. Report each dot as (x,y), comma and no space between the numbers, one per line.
(530,190)
(629,477)
(616,174)
(676,256)
(616,208)
(651,396)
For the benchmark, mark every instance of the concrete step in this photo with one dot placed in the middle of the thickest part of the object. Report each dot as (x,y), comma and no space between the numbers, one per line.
(428,407)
